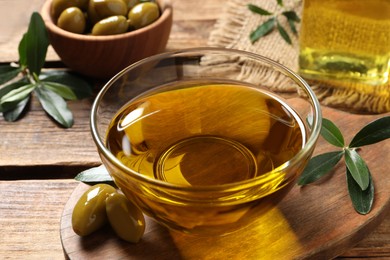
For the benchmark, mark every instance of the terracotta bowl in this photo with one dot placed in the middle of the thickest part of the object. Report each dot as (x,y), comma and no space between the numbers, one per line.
(104,56)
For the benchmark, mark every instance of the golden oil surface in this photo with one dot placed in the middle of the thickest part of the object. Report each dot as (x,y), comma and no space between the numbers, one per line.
(205,134)
(346,40)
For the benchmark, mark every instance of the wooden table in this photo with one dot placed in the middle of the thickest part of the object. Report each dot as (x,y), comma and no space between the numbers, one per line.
(39,159)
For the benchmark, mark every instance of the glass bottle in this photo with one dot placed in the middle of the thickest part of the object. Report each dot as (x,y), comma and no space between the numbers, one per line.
(346,41)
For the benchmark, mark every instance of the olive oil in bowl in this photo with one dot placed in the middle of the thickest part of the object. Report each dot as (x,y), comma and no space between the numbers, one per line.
(207,136)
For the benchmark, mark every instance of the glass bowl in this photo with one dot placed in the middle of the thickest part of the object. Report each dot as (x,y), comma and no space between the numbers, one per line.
(203,140)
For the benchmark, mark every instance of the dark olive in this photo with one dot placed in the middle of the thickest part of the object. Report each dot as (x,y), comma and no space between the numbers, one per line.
(93,17)
(72,19)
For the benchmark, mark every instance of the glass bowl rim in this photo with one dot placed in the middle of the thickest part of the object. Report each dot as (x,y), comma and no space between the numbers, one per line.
(310,143)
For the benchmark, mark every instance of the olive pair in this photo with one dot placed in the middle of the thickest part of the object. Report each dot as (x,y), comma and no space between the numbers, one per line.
(140,15)
(102,203)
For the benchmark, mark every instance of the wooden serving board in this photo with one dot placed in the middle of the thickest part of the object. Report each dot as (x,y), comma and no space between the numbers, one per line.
(314,222)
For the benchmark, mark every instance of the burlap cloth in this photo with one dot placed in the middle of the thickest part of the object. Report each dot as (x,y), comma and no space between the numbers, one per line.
(232,30)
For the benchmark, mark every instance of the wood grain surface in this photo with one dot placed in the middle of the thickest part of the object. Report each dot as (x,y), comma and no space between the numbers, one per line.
(38,158)
(31,211)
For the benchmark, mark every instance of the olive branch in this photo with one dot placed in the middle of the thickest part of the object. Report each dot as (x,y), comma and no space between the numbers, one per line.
(274,22)
(359,180)
(51,88)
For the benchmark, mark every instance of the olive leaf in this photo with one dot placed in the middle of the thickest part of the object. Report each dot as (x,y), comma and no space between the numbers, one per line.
(357,167)
(8,88)
(280,2)
(283,33)
(292,18)
(93,175)
(331,133)
(374,132)
(362,200)
(318,166)
(22,49)
(16,95)
(8,72)
(262,30)
(258,10)
(61,89)
(55,106)
(36,44)
(291,15)
(293,28)
(14,113)
(79,86)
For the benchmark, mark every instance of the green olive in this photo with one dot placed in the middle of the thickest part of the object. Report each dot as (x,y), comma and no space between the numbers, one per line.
(125,218)
(143,14)
(72,19)
(131,3)
(111,25)
(100,9)
(58,6)
(89,213)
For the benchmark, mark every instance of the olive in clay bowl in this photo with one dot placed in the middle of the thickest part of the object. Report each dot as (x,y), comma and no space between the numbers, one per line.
(103,56)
